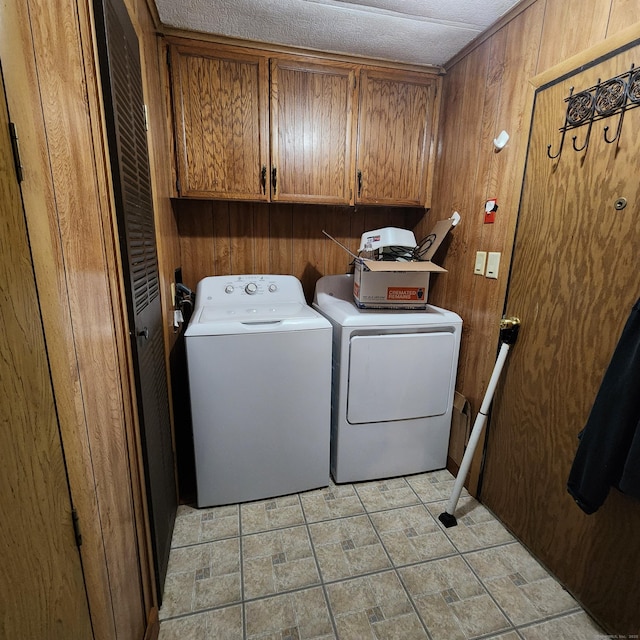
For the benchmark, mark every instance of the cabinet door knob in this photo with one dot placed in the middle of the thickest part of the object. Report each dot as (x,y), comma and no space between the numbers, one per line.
(274,178)
(359,182)
(143,333)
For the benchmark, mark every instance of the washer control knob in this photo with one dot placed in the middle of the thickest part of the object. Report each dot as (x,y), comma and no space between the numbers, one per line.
(251,288)
(273,287)
(228,288)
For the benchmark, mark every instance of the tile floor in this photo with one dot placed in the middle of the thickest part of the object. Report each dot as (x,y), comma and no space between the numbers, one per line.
(366,561)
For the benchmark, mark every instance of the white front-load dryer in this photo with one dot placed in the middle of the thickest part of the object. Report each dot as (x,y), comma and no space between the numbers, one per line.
(393,384)
(259,363)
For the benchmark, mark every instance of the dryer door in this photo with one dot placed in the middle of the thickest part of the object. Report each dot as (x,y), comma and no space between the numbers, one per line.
(399,376)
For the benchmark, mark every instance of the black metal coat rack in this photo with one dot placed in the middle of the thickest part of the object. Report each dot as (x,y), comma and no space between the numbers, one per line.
(603,100)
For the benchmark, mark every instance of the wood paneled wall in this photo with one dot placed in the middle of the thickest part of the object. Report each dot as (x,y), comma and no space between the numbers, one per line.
(221,238)
(484,92)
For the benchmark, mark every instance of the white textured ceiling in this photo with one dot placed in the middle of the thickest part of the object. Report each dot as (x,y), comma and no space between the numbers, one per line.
(424,32)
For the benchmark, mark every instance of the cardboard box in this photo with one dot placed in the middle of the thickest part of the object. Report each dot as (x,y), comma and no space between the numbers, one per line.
(382,284)
(460,431)
(379,284)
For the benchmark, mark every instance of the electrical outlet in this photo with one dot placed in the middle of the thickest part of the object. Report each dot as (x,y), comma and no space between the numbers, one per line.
(481,261)
(493,264)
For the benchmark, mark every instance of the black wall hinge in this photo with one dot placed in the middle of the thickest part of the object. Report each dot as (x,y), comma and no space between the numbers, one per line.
(76,527)
(16,151)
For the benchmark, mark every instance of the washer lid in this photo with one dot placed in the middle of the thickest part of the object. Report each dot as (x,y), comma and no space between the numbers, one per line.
(210,320)
(250,312)
(252,303)
(334,299)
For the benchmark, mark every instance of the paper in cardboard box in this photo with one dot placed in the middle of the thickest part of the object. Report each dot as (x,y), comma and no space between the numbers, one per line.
(383,284)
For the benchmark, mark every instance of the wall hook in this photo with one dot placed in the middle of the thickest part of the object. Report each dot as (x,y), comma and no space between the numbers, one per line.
(563,129)
(586,140)
(557,155)
(618,130)
(603,100)
(611,97)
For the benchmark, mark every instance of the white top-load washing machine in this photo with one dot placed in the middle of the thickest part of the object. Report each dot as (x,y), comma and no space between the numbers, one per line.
(394,378)
(259,362)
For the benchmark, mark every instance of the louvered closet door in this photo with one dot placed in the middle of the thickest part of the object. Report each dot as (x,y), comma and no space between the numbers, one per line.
(124,107)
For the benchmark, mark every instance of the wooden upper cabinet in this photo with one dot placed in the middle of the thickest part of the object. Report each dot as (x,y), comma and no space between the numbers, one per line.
(312,129)
(396,136)
(336,133)
(221,102)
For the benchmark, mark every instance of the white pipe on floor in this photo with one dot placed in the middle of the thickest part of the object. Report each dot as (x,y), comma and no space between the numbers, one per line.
(477,429)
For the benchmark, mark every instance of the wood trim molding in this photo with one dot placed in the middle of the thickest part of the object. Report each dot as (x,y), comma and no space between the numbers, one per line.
(121,324)
(575,63)
(194,37)
(153,625)
(153,13)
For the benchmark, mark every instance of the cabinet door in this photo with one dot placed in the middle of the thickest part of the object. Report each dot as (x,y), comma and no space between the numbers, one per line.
(311,131)
(220,100)
(395,131)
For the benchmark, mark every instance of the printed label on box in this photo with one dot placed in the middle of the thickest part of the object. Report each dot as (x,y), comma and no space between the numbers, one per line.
(405,293)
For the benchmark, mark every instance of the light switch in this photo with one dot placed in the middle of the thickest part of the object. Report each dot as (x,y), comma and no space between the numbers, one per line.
(493,264)
(481,261)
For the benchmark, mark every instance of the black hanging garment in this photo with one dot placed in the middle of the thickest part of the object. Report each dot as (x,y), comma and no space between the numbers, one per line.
(608,454)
